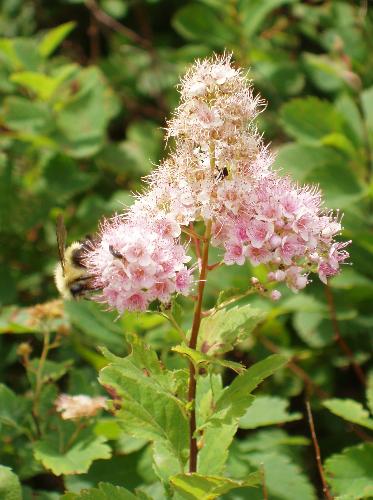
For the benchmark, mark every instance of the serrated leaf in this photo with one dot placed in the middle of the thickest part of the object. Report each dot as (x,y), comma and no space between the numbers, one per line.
(149,407)
(61,457)
(200,359)
(199,487)
(10,487)
(54,38)
(215,443)
(267,410)
(234,400)
(105,491)
(227,327)
(310,119)
(350,473)
(350,410)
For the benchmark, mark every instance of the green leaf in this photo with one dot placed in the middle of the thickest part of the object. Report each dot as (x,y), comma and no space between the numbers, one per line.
(273,452)
(82,118)
(149,407)
(42,86)
(65,179)
(310,119)
(327,74)
(105,491)
(349,410)
(350,473)
(200,359)
(220,425)
(54,38)
(255,12)
(10,487)
(57,455)
(312,328)
(227,327)
(234,400)
(95,323)
(191,21)
(199,487)
(267,410)
(291,156)
(284,479)
(25,116)
(13,408)
(141,149)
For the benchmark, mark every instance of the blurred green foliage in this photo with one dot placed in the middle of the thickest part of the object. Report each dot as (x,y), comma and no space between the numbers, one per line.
(85,89)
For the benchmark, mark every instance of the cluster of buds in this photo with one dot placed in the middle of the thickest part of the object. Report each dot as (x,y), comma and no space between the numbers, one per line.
(219,172)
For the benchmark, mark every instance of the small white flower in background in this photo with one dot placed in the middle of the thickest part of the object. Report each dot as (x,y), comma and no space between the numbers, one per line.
(80,406)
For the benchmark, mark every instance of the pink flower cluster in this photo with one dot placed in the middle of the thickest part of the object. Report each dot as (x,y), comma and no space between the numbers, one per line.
(219,171)
(276,223)
(138,261)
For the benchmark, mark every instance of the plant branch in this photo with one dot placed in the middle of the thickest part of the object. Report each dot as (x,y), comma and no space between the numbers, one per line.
(345,348)
(168,315)
(193,450)
(325,488)
(39,380)
(115,25)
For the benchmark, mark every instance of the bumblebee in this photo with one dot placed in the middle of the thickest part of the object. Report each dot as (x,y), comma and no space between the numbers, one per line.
(71,276)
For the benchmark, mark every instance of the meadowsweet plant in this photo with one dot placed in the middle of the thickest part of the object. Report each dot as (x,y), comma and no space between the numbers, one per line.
(217,188)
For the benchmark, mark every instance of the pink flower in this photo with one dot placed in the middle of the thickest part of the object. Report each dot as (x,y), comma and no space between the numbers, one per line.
(258,255)
(259,231)
(183,281)
(234,254)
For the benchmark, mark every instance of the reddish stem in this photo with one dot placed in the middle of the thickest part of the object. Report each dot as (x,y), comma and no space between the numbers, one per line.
(193,450)
(325,488)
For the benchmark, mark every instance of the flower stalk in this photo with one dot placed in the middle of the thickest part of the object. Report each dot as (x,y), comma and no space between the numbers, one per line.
(193,449)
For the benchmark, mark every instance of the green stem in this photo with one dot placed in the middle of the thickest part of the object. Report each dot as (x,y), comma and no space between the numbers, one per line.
(39,380)
(168,315)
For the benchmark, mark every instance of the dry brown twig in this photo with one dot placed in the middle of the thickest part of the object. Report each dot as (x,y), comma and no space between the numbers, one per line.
(316,446)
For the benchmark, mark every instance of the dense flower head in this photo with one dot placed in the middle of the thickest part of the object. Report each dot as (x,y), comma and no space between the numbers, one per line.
(219,171)
(279,224)
(137,261)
